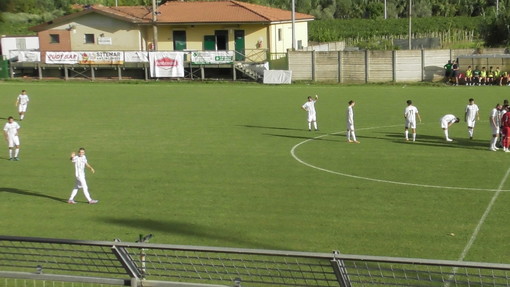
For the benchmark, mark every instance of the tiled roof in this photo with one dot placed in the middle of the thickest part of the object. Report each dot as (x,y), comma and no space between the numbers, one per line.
(180,12)
(222,12)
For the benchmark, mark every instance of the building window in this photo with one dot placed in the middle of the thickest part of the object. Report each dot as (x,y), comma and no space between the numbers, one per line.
(89,39)
(279,34)
(54,38)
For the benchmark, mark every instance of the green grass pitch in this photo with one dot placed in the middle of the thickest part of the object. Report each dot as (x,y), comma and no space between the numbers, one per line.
(234,165)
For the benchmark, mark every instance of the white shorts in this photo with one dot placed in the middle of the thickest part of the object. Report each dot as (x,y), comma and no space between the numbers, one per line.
(444,124)
(80,183)
(13,141)
(495,130)
(22,108)
(312,118)
(471,124)
(410,125)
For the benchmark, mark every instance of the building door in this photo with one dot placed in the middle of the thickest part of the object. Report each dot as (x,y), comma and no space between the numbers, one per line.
(221,40)
(239,45)
(209,43)
(179,40)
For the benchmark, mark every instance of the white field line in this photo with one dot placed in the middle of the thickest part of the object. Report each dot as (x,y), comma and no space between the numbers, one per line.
(293,153)
(479,226)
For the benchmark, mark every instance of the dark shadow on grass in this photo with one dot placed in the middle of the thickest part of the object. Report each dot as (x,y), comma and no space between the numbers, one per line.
(311,137)
(191,230)
(272,128)
(429,140)
(30,193)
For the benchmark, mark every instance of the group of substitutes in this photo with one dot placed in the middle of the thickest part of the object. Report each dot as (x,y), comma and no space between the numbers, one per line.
(476,76)
(499,121)
(11,134)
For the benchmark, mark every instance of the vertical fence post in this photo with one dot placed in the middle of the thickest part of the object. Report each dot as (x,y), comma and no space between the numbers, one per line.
(341,272)
(313,66)
(423,65)
(339,67)
(367,68)
(394,65)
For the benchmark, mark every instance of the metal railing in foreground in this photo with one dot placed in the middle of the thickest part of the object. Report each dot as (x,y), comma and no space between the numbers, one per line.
(117,263)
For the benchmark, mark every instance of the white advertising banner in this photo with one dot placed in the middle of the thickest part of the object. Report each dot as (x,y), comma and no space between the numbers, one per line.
(166,64)
(212,57)
(136,57)
(277,77)
(101,58)
(26,56)
(61,58)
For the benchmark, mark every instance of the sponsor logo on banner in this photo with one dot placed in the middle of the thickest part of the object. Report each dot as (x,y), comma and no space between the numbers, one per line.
(61,58)
(104,58)
(166,64)
(212,57)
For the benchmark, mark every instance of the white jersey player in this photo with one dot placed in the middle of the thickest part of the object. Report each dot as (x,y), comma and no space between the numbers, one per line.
(11,134)
(351,135)
(495,123)
(471,116)
(410,114)
(446,122)
(80,162)
(309,107)
(22,104)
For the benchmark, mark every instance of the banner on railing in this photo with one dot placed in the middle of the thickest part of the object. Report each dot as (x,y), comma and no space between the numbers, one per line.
(95,58)
(136,57)
(101,58)
(212,57)
(166,64)
(61,58)
(25,56)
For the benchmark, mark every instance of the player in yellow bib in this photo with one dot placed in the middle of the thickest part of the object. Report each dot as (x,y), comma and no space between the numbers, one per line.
(468,77)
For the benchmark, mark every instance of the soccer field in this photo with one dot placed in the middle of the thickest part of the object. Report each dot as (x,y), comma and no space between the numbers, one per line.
(234,165)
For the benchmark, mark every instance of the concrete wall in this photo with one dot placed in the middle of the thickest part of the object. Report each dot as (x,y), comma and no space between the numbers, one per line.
(388,66)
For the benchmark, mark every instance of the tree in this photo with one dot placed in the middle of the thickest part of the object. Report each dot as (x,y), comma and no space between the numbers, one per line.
(495,30)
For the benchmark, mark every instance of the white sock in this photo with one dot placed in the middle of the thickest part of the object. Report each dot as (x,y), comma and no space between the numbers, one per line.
(309,125)
(16,152)
(86,193)
(22,116)
(348,135)
(414,137)
(315,125)
(407,134)
(446,134)
(353,135)
(10,153)
(73,194)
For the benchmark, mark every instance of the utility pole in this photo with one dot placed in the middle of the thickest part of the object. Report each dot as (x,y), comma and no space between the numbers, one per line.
(385,11)
(410,9)
(154,25)
(293,25)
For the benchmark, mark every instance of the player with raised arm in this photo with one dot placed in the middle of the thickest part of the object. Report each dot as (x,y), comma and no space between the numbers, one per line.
(80,162)
(309,107)
(410,114)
